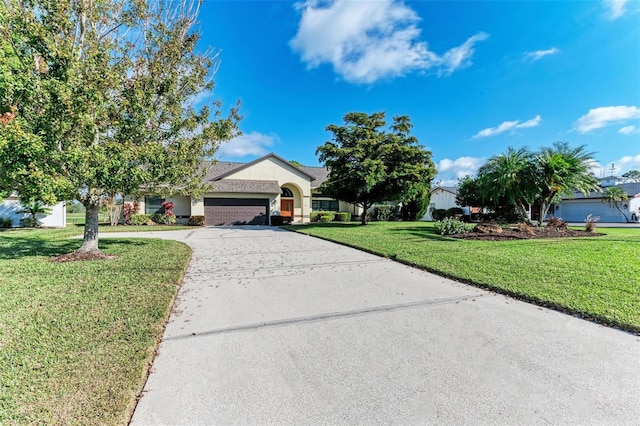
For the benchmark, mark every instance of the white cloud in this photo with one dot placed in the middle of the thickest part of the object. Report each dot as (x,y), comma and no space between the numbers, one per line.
(254,143)
(620,166)
(449,171)
(627,130)
(508,125)
(615,7)
(600,117)
(366,41)
(539,54)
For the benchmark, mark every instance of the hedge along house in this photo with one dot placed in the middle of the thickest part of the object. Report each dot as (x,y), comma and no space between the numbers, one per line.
(250,193)
(578,207)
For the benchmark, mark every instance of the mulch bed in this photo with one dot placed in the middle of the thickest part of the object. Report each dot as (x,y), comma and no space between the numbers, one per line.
(75,256)
(526,234)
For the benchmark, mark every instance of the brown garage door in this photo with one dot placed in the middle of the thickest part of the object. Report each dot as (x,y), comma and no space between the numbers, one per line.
(236,211)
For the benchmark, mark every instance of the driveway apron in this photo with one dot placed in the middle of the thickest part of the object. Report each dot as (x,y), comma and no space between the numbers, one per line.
(274,327)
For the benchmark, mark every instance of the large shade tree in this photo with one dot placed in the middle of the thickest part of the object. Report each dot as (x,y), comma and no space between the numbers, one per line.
(101,97)
(369,164)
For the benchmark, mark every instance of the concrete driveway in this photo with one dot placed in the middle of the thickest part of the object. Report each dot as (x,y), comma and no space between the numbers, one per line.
(273,327)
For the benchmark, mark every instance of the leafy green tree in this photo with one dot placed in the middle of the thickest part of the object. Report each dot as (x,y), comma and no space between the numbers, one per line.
(632,174)
(510,178)
(368,164)
(100,97)
(614,196)
(561,170)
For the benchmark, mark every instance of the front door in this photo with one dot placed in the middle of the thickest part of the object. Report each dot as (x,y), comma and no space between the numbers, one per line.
(286,208)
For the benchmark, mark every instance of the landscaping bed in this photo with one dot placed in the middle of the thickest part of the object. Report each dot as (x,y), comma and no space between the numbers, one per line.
(524,233)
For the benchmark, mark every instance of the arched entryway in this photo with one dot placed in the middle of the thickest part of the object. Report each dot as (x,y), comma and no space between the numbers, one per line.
(291,201)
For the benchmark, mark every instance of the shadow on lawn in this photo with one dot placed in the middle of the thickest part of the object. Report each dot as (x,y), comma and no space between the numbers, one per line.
(19,247)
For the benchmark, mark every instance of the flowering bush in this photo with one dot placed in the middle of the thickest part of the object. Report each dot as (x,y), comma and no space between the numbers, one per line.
(129,210)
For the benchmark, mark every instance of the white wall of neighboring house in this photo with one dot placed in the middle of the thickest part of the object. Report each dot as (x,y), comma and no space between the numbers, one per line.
(440,199)
(11,206)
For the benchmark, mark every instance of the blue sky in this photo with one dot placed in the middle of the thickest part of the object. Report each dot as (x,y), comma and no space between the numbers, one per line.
(474,76)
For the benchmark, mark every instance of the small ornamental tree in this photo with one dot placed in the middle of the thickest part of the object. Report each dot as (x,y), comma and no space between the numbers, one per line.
(101,97)
(614,196)
(368,164)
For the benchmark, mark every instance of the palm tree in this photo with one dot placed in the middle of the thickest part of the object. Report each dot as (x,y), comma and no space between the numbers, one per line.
(510,177)
(614,196)
(35,209)
(561,170)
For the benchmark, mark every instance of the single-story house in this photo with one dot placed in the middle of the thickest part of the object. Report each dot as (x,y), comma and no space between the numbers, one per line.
(578,207)
(250,193)
(11,206)
(443,197)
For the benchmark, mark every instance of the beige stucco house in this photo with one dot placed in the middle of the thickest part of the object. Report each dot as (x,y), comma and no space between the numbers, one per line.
(250,193)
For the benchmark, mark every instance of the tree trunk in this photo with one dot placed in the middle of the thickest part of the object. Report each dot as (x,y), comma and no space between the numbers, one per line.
(544,209)
(623,213)
(363,216)
(90,242)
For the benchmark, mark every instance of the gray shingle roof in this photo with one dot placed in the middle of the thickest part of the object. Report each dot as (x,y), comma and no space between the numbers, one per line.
(320,173)
(220,168)
(253,186)
(632,189)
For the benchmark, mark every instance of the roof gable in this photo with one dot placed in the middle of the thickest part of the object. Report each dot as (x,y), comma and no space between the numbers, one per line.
(228,169)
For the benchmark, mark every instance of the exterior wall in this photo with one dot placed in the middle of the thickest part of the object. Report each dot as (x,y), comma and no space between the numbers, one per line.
(285,174)
(183,206)
(440,199)
(11,206)
(577,210)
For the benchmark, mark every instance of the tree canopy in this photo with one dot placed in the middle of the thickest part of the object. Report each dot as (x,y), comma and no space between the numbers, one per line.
(368,164)
(614,196)
(520,178)
(632,174)
(104,97)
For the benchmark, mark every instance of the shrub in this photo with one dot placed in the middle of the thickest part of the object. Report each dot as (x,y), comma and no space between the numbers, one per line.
(163,218)
(277,220)
(454,211)
(451,226)
(342,217)
(129,210)
(196,221)
(29,222)
(140,219)
(590,223)
(315,216)
(438,214)
(326,218)
(556,222)
(384,213)
(6,222)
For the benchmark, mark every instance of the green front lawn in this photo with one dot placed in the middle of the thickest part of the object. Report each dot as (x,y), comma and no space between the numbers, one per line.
(76,338)
(595,277)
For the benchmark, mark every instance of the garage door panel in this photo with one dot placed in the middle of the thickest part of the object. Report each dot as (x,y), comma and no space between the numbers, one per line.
(236,211)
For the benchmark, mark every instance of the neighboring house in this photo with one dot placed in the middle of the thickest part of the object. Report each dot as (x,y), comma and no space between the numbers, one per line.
(578,207)
(10,207)
(443,197)
(250,193)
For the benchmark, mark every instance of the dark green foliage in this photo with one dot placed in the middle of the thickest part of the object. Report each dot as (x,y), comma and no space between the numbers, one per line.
(6,222)
(368,164)
(74,207)
(454,211)
(384,213)
(278,220)
(140,219)
(196,221)
(29,222)
(438,214)
(342,217)
(415,209)
(315,216)
(163,218)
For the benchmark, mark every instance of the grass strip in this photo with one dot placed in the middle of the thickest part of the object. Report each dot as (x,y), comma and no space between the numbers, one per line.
(76,338)
(595,278)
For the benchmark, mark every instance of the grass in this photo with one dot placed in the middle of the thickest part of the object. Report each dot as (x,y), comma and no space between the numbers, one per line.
(596,278)
(76,338)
